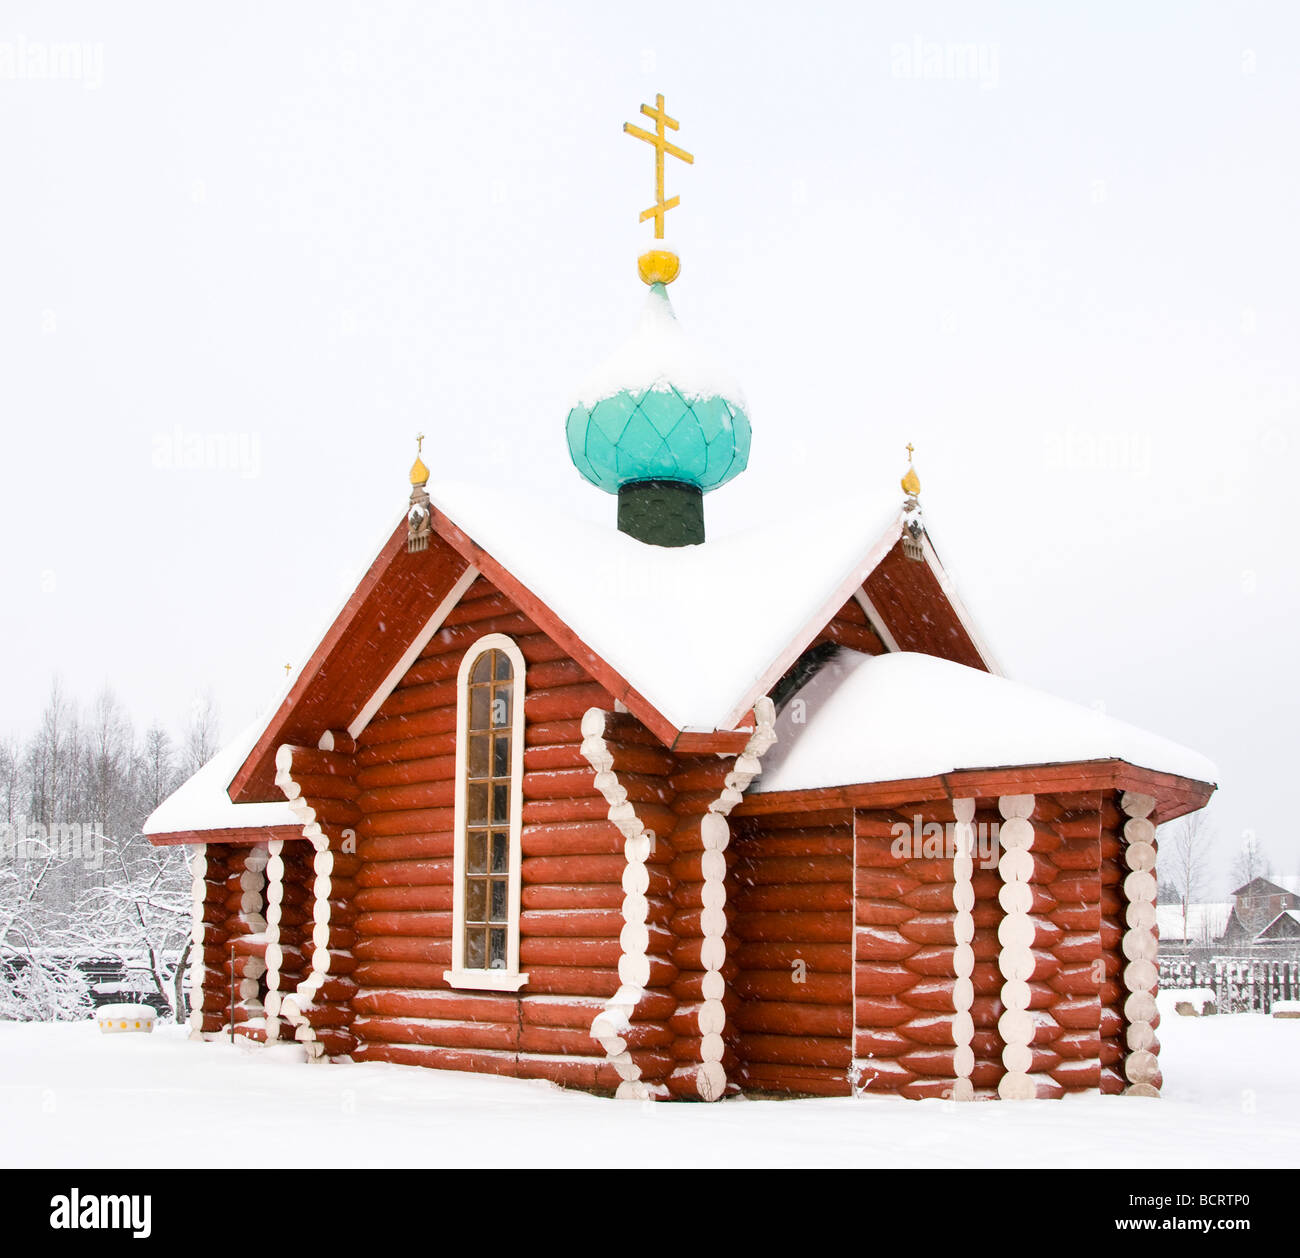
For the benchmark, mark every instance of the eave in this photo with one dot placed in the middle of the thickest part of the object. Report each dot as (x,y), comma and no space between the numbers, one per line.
(1175,796)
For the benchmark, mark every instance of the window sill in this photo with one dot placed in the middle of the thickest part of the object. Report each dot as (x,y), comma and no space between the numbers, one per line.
(485,980)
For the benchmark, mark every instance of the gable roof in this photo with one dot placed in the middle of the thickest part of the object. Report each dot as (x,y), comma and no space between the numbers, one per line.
(1273,882)
(687,638)
(886,718)
(1286,925)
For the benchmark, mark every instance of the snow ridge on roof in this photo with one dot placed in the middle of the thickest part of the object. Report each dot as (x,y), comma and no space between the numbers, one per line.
(691,628)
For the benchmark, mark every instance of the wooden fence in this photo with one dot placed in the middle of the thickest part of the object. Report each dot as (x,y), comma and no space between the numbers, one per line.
(1245,986)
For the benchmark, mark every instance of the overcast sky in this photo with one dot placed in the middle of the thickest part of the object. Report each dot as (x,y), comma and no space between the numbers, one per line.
(1055,250)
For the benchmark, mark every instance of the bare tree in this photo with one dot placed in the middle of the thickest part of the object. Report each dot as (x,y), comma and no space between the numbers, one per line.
(201,734)
(159,775)
(1184,854)
(142,911)
(10,780)
(110,747)
(1250,862)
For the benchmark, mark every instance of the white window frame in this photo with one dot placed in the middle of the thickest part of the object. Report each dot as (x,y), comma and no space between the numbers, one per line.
(509,979)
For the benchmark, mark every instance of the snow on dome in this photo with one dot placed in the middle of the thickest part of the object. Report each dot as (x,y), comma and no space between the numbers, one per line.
(202,801)
(888,717)
(691,628)
(659,355)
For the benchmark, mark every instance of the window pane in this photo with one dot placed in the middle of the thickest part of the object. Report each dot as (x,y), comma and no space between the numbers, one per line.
(501,707)
(477,855)
(476,802)
(498,900)
(475,900)
(480,701)
(503,670)
(501,802)
(475,953)
(499,852)
(498,949)
(501,756)
(482,670)
(478,755)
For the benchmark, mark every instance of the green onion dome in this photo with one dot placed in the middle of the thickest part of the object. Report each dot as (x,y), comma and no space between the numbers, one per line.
(655,412)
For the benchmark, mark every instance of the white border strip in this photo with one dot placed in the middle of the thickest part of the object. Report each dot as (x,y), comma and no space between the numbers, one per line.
(950,592)
(1141,976)
(876,620)
(615,1017)
(1016,936)
(715,834)
(421,640)
(963,957)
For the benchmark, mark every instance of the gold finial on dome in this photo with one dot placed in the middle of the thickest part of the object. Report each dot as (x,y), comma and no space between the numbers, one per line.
(419,473)
(659,265)
(911,482)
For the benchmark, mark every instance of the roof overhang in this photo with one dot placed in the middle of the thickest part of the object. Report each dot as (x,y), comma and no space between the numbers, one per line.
(1175,796)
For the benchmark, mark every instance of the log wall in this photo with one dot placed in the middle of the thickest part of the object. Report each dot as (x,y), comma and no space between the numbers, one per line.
(791,1000)
(903,954)
(571,872)
(1077,915)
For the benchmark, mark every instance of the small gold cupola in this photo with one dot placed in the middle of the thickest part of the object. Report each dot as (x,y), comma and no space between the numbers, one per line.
(913,525)
(911,482)
(419,516)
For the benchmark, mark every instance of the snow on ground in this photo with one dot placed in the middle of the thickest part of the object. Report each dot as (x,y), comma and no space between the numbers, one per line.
(71,1096)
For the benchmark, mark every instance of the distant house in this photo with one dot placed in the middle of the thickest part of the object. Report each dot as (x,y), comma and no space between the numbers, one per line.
(1257,908)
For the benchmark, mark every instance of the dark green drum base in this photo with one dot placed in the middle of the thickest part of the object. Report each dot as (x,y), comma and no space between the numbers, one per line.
(662,512)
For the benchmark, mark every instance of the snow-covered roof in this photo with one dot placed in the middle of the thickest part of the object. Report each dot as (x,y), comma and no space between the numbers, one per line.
(202,802)
(1204,921)
(889,717)
(692,628)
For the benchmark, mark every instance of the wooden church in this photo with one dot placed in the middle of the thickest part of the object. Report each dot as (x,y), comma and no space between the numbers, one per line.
(667,817)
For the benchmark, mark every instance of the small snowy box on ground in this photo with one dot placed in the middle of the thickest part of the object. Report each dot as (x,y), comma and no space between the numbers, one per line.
(1192,1002)
(1286,1008)
(119,1018)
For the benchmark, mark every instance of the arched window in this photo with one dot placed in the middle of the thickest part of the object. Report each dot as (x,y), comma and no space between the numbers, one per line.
(489,805)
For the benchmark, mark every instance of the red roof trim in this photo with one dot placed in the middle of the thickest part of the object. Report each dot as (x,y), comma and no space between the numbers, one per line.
(238,836)
(1174,795)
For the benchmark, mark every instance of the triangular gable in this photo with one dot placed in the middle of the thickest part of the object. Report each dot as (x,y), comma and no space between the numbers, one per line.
(1286,925)
(687,640)
(1259,884)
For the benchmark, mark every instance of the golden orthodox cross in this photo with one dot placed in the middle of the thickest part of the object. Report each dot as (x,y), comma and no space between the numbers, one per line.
(661,146)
